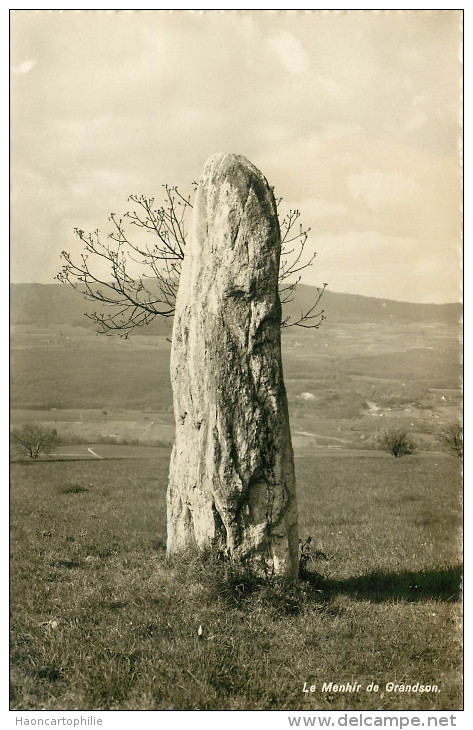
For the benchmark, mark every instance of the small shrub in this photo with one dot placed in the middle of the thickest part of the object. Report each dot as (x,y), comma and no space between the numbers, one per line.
(397,442)
(34,439)
(307,555)
(73,489)
(452,436)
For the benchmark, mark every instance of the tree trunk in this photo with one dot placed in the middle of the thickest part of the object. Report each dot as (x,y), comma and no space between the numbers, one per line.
(231,481)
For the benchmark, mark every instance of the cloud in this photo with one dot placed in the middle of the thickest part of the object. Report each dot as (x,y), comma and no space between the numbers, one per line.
(316,210)
(290,52)
(417,121)
(330,106)
(392,267)
(380,189)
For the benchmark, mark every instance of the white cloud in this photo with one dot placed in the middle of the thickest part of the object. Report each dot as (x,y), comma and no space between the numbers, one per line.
(290,52)
(381,189)
(418,120)
(392,267)
(315,209)
(362,244)
(336,116)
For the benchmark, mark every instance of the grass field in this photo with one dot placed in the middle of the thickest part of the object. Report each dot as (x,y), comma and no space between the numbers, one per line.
(344,383)
(101,621)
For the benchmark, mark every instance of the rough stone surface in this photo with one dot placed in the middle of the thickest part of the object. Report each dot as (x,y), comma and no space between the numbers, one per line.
(231,480)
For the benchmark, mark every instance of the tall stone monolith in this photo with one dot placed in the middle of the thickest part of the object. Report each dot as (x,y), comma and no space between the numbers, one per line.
(231,481)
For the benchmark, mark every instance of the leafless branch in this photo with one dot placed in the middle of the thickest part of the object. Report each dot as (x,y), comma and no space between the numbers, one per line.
(129,301)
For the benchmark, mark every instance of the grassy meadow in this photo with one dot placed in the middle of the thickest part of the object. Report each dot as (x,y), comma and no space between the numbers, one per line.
(101,620)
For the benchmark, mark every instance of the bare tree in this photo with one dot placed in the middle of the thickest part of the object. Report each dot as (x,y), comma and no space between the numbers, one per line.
(35,439)
(397,441)
(130,300)
(452,436)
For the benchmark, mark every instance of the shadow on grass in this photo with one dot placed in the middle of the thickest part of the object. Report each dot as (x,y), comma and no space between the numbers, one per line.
(221,580)
(443,584)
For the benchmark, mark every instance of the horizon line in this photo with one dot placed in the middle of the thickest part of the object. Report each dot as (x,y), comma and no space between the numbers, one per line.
(311,286)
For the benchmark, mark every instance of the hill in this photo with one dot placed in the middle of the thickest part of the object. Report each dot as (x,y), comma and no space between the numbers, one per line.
(356,308)
(43,304)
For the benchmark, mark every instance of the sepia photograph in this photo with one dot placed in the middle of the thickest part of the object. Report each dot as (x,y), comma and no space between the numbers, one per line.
(236,406)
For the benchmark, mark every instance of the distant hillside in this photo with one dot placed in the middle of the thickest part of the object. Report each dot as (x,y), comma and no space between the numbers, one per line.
(43,304)
(356,308)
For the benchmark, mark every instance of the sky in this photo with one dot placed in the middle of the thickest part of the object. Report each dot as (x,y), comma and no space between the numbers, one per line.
(353,116)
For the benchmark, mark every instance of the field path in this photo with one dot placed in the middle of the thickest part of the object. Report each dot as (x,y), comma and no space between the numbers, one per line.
(319,435)
(94,454)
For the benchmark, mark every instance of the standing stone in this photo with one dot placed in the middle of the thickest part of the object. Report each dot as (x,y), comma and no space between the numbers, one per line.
(231,481)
